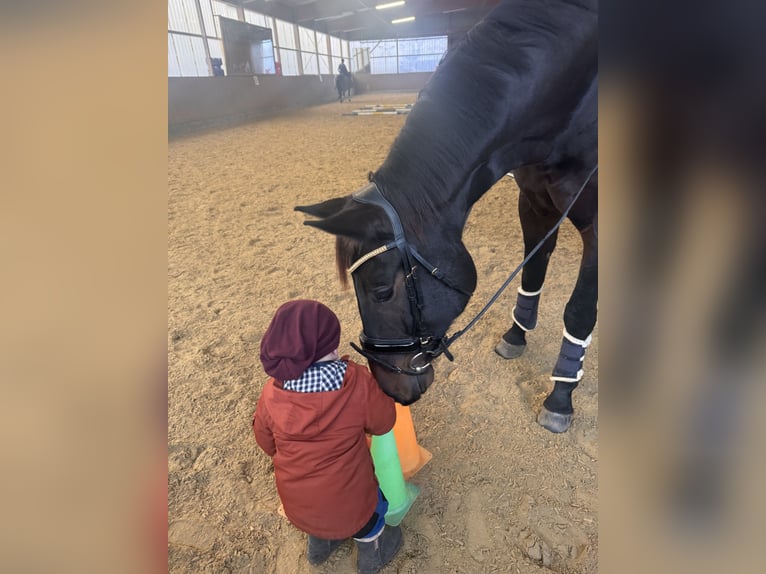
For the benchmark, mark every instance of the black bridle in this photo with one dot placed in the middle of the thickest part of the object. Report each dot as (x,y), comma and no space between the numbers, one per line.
(426,346)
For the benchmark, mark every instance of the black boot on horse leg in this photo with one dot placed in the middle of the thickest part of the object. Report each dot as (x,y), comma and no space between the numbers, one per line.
(556,412)
(579,321)
(524,313)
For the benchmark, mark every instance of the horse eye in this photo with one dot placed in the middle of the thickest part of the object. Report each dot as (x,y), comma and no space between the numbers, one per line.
(383,293)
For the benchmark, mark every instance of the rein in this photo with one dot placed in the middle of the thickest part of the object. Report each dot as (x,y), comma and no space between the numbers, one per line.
(428,346)
(451,339)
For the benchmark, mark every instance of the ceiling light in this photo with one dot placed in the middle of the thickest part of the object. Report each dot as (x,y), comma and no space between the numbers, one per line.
(389,5)
(400,20)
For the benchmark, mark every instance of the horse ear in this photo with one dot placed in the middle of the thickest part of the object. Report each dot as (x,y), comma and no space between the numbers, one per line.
(344,223)
(325,208)
(356,221)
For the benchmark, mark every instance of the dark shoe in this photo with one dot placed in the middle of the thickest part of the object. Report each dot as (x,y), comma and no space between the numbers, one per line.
(376,554)
(319,549)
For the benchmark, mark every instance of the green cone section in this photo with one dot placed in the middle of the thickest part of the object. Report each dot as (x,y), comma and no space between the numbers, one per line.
(388,469)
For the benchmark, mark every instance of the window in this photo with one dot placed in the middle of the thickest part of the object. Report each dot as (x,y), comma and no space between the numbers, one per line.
(335,47)
(322,47)
(258,19)
(383,65)
(267,63)
(309,53)
(324,64)
(310,65)
(225,10)
(306,36)
(207,18)
(289,61)
(182,17)
(361,59)
(215,46)
(285,35)
(174,66)
(186,56)
(400,56)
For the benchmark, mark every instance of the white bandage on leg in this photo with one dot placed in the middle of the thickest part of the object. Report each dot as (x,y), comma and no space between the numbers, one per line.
(583,343)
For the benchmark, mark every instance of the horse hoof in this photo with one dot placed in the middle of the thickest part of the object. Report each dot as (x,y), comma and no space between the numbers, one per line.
(554,422)
(508,351)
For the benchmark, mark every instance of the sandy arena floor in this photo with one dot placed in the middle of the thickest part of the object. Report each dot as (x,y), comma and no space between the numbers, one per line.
(500,495)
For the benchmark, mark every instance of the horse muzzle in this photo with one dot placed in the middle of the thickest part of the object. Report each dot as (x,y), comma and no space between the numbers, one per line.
(402,367)
(406,386)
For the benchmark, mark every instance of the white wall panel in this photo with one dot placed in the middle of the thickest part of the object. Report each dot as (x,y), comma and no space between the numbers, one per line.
(182,17)
(324,64)
(322,46)
(286,34)
(190,55)
(306,37)
(289,62)
(207,18)
(309,63)
(174,69)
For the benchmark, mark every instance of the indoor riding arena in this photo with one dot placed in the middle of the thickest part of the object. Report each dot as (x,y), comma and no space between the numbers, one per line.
(501,493)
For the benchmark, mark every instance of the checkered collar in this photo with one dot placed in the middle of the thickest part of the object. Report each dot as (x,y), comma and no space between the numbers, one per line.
(319,377)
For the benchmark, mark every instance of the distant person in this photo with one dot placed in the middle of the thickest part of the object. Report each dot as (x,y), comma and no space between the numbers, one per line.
(312,419)
(217,64)
(342,69)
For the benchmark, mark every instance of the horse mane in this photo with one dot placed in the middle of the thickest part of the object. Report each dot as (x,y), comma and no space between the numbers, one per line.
(462,110)
(468,106)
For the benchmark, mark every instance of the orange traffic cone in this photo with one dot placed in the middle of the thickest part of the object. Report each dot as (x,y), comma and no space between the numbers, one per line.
(412,456)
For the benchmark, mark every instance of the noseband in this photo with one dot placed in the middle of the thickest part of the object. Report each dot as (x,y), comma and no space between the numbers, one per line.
(425,344)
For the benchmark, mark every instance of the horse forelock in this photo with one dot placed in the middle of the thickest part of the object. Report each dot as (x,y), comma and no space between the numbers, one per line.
(345,250)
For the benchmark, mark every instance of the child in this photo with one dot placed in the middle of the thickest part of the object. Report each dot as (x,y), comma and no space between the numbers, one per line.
(312,419)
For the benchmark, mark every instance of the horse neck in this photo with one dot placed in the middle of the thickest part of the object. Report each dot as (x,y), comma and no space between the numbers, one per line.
(432,175)
(474,122)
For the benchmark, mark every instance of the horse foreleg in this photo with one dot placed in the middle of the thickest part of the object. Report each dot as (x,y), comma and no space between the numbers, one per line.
(579,321)
(534,226)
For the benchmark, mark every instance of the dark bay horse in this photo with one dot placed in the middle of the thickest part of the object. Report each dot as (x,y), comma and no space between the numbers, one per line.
(518,93)
(344,83)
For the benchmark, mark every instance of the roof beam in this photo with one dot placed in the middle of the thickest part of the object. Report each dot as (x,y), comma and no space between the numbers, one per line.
(326,9)
(275,9)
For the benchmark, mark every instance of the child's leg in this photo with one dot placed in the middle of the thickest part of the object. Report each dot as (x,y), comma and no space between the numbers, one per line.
(377,544)
(319,549)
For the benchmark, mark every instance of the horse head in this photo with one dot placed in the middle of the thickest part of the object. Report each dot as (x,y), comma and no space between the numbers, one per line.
(406,304)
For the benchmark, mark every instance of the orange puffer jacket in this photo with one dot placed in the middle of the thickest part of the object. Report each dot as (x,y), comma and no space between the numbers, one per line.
(322,464)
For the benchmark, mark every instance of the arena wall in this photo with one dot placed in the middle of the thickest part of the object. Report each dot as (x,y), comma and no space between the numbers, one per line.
(201,103)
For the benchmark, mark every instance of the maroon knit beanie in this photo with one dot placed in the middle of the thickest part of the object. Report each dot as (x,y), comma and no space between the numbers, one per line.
(301,333)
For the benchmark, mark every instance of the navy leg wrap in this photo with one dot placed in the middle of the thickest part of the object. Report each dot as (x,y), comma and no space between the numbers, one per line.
(525,311)
(569,366)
